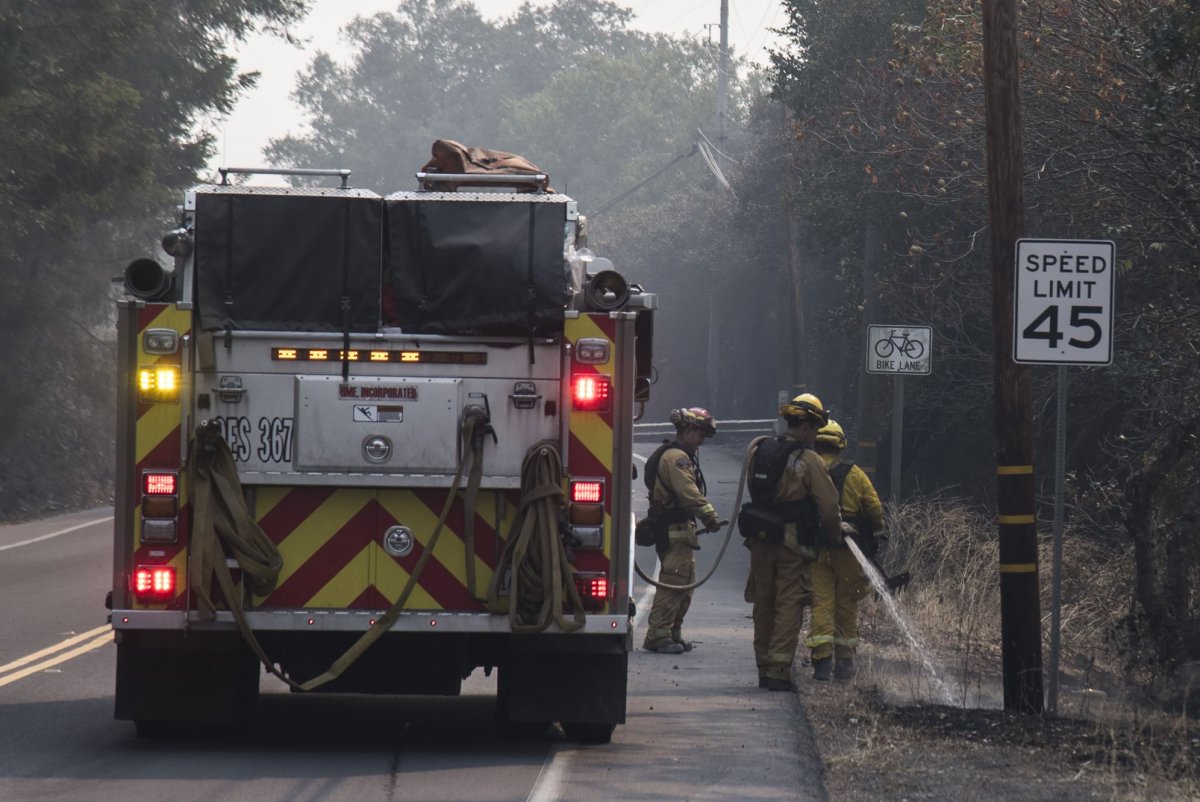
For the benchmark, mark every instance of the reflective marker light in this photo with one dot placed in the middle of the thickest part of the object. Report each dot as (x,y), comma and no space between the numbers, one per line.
(587,491)
(154,582)
(591,392)
(160,341)
(593,590)
(158,383)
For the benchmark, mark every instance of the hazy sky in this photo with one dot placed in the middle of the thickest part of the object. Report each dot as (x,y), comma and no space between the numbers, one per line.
(268,111)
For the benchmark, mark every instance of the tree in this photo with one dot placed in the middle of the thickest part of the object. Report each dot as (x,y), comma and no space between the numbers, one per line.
(1110,116)
(103,106)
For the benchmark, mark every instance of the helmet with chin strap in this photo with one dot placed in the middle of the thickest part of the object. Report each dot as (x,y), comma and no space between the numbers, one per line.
(694,418)
(803,407)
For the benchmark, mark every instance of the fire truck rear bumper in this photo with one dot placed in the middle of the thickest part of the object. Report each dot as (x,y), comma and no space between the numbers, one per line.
(348,621)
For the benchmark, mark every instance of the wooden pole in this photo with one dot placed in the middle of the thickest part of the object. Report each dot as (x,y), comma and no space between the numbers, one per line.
(1020,615)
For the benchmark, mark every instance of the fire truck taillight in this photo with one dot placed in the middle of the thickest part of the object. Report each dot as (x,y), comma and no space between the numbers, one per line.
(591,392)
(160,506)
(155,483)
(587,508)
(593,590)
(158,383)
(587,491)
(153,582)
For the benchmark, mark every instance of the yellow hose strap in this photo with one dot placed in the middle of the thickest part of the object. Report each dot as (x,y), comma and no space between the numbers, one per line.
(1018,568)
(1013,470)
(1006,520)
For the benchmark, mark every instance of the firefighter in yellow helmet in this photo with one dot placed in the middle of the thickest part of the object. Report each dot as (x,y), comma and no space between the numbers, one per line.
(778,558)
(678,493)
(838,579)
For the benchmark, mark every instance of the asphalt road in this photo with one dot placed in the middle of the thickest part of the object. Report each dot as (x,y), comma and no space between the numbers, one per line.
(698,726)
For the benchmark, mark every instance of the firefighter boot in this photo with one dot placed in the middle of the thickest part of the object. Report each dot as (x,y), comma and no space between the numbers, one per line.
(664,647)
(776,684)
(677,637)
(843,669)
(822,668)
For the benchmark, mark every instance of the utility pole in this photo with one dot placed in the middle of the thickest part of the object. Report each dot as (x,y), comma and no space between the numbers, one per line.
(723,78)
(1020,615)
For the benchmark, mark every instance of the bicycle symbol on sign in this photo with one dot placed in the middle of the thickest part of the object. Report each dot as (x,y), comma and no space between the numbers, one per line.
(899,343)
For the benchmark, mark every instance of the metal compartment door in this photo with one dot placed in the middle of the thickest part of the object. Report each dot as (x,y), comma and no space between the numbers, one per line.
(377,425)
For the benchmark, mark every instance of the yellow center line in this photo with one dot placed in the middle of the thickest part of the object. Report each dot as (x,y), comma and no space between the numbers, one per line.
(91,633)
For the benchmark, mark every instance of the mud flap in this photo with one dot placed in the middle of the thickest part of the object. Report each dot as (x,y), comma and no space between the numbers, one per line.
(194,679)
(544,686)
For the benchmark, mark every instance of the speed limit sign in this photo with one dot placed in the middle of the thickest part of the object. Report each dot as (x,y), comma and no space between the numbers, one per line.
(1063,303)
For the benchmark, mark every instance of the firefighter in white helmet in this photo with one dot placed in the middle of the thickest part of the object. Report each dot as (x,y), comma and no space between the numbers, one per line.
(838,579)
(678,494)
(778,563)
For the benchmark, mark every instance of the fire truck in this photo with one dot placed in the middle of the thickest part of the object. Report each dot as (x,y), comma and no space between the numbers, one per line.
(371,444)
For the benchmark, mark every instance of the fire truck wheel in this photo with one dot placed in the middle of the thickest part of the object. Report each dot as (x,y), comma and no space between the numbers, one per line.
(589,732)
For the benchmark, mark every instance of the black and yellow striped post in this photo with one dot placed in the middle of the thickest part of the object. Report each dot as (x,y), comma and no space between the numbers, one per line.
(1020,609)
(1020,615)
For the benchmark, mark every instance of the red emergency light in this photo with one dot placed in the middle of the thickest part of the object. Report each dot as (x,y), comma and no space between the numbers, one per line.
(587,491)
(154,582)
(160,483)
(593,590)
(591,392)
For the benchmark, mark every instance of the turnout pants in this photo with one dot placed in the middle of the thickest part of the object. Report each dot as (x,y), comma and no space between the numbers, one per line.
(665,622)
(838,583)
(779,587)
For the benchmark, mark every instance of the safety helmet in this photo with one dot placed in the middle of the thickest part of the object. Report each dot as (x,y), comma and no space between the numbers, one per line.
(805,405)
(832,434)
(696,417)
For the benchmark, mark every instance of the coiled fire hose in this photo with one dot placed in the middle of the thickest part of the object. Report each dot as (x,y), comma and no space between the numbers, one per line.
(222,521)
(737,504)
(535,556)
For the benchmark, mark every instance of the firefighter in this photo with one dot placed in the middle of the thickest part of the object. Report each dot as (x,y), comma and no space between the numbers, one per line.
(778,567)
(838,579)
(679,493)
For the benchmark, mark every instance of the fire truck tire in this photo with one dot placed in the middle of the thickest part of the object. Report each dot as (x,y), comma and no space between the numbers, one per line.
(588,732)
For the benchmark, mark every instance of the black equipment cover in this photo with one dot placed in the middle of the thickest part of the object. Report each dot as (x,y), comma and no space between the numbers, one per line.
(477,267)
(285,262)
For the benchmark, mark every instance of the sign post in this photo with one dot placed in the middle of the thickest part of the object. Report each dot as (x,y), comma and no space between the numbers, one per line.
(1063,313)
(898,350)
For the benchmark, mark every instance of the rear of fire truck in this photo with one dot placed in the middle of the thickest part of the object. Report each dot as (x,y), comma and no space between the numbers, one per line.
(373,444)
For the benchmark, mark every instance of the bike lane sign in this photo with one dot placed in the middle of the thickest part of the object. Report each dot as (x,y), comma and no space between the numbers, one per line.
(899,349)
(1063,302)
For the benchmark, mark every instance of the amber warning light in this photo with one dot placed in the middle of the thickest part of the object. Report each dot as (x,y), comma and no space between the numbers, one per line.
(367,355)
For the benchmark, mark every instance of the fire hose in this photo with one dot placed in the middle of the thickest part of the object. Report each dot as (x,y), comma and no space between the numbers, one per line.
(223,522)
(893,583)
(729,527)
(535,562)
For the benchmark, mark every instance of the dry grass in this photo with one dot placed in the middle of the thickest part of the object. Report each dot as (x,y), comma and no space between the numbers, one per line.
(1106,735)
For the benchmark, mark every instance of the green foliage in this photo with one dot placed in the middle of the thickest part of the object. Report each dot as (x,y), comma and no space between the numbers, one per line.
(102,112)
(568,86)
(896,145)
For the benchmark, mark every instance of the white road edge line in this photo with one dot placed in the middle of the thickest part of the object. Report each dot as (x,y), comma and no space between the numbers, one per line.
(549,783)
(56,534)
